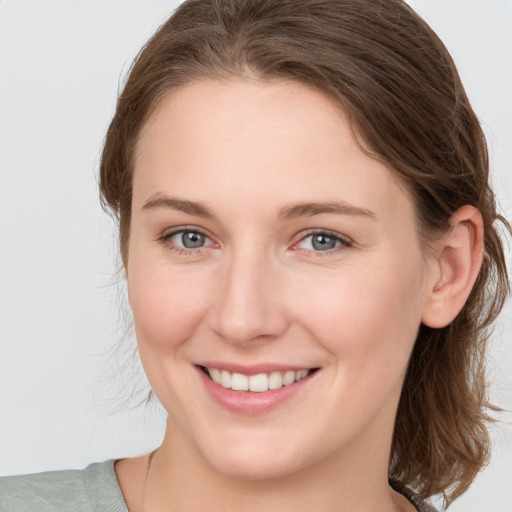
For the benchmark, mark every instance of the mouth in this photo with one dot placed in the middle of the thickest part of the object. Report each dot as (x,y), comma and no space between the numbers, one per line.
(259,383)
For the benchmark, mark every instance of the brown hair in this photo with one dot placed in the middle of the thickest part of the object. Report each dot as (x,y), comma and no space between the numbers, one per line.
(398,84)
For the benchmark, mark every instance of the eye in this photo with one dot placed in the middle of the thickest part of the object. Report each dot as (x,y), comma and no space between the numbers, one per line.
(322,241)
(186,240)
(189,239)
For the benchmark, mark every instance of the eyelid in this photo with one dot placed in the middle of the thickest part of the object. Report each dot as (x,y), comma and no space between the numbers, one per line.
(167,234)
(344,240)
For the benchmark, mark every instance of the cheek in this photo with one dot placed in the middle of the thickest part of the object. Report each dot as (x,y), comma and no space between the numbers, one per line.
(368,317)
(167,305)
(168,308)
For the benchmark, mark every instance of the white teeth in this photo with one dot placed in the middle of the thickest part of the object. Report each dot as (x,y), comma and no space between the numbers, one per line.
(288,378)
(225,379)
(239,382)
(256,383)
(275,380)
(214,374)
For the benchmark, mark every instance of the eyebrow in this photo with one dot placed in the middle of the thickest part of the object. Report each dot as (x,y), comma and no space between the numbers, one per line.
(190,207)
(288,212)
(310,209)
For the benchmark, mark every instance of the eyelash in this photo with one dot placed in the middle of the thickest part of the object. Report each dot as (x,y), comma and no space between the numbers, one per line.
(165,239)
(344,242)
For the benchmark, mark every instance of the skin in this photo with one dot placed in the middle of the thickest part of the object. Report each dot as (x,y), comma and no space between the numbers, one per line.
(259,292)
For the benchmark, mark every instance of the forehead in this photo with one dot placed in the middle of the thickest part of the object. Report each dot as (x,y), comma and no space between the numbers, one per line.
(246,112)
(278,139)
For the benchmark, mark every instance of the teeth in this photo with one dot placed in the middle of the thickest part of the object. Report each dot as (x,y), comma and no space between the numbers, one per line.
(275,380)
(239,382)
(215,375)
(257,383)
(289,377)
(225,379)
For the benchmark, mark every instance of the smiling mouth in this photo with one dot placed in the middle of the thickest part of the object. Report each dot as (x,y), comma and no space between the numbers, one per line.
(256,383)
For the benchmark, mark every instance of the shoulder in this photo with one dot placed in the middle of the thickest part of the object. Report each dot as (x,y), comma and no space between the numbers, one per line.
(87,490)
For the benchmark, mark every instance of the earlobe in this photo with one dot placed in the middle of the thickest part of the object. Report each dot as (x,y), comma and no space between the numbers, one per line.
(455,268)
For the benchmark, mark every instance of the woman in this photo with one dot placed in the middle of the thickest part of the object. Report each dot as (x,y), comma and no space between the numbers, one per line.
(308,237)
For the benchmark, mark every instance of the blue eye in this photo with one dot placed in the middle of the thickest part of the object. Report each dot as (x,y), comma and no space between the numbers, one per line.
(192,239)
(188,239)
(322,242)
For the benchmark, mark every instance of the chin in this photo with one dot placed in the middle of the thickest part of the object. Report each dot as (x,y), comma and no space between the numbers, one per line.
(262,467)
(263,458)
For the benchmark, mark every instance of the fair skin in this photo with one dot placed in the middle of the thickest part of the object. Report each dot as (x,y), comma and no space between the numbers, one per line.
(263,240)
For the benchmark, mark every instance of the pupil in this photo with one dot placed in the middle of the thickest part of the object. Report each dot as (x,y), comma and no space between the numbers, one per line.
(323,243)
(192,240)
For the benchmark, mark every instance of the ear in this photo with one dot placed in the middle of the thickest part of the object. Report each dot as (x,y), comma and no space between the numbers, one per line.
(455,267)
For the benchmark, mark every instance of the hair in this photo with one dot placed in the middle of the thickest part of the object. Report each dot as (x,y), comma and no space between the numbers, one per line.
(399,86)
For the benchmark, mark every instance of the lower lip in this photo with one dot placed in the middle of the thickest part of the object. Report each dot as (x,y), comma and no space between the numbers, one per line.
(250,402)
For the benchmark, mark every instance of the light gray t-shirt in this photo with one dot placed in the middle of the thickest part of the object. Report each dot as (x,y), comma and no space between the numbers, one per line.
(93,489)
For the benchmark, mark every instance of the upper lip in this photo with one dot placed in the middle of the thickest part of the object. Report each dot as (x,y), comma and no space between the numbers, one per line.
(254,369)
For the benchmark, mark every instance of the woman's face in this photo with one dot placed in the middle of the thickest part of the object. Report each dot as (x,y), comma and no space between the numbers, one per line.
(266,247)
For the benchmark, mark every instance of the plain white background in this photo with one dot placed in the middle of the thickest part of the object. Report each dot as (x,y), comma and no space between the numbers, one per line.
(63,393)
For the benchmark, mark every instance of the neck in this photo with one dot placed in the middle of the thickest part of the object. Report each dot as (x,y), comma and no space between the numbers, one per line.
(180,478)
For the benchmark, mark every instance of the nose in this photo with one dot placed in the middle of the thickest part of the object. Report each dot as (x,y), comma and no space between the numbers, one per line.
(250,302)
